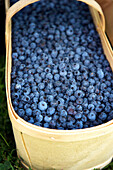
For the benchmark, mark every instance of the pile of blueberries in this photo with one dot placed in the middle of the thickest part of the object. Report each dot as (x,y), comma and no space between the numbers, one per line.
(60,76)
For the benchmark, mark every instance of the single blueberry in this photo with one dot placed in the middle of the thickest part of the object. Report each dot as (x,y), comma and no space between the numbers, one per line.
(42,105)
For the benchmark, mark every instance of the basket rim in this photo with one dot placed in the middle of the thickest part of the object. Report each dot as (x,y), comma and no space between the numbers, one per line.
(48,130)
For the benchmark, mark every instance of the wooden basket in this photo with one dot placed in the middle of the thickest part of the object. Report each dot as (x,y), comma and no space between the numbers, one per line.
(42,148)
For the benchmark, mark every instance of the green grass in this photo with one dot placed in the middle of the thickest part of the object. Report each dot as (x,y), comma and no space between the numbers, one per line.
(8,156)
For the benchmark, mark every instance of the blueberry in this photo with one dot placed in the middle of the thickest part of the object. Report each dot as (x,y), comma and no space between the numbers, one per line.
(50,111)
(33,45)
(62,28)
(79,94)
(84,118)
(47,119)
(61,101)
(28,112)
(27,91)
(103,116)
(36,94)
(41,86)
(70,125)
(78,115)
(69,75)
(76,73)
(60,107)
(26,106)
(47,70)
(21,58)
(69,31)
(100,98)
(57,89)
(54,53)
(85,83)
(35,99)
(42,105)
(38,79)
(39,118)
(92,116)
(86,62)
(49,76)
(50,98)
(34,106)
(79,108)
(43,74)
(39,70)
(71,110)
(30,79)
(31,120)
(100,73)
(99,108)
(103,87)
(36,112)
(111,114)
(86,111)
(91,107)
(74,86)
(33,58)
(26,98)
(92,97)
(91,81)
(69,92)
(34,88)
(79,124)
(63,113)
(20,74)
(20,105)
(50,37)
(72,98)
(49,86)
(91,89)
(15,55)
(46,125)
(62,119)
(63,73)
(75,66)
(79,101)
(38,124)
(21,112)
(62,66)
(25,43)
(107,109)
(15,96)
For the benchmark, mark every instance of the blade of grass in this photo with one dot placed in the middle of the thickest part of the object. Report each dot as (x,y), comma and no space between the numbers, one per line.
(4,140)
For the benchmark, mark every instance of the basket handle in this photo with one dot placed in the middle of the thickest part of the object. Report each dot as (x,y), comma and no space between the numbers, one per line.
(96,6)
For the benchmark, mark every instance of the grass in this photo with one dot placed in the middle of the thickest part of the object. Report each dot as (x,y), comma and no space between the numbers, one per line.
(8,156)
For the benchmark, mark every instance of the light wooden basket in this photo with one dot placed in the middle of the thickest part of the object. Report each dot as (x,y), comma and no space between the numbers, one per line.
(42,148)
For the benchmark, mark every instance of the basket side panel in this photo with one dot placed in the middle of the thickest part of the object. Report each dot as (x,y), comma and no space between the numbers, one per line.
(20,146)
(80,155)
